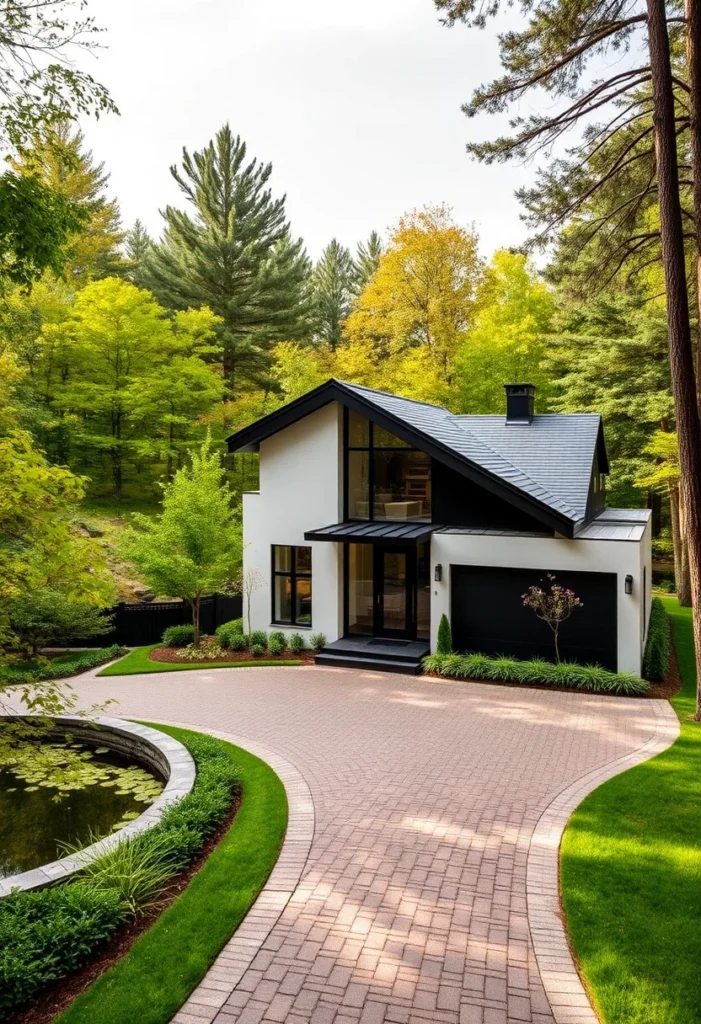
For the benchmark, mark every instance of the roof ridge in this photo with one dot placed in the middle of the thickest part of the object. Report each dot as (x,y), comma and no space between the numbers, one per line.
(391,394)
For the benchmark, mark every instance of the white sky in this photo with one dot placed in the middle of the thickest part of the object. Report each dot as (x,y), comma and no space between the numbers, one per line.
(355,102)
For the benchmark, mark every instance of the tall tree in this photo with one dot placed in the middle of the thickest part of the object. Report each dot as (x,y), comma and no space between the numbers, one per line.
(554,52)
(235,254)
(59,159)
(367,260)
(423,292)
(137,246)
(332,285)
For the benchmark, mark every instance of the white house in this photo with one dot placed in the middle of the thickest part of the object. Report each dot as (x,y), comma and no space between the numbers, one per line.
(377,514)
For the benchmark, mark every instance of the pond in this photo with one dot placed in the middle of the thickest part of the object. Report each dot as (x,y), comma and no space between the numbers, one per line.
(66,794)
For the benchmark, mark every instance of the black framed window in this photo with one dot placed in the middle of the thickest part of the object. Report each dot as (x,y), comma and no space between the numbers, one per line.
(385,478)
(292,585)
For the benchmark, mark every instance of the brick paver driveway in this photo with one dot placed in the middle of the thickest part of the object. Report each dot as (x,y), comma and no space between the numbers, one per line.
(412,904)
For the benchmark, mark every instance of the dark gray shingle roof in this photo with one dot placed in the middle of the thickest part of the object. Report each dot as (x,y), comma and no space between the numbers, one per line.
(550,459)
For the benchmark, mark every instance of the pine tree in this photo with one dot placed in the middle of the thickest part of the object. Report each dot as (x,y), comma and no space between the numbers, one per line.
(59,159)
(367,260)
(137,246)
(235,254)
(332,285)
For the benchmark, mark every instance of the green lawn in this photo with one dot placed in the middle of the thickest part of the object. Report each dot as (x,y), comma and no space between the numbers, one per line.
(155,978)
(137,661)
(631,876)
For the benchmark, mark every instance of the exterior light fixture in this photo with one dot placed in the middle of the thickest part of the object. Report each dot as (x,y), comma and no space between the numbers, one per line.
(438,573)
(629,584)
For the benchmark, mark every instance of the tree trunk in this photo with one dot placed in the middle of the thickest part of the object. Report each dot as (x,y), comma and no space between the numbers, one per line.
(681,357)
(681,555)
(195,605)
(693,56)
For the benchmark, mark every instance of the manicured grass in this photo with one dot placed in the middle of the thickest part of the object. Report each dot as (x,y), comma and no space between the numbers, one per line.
(137,661)
(155,978)
(631,875)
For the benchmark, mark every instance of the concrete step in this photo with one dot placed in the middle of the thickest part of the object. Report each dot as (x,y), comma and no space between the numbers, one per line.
(406,666)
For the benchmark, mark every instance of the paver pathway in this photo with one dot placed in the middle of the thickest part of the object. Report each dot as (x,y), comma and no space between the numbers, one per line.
(412,906)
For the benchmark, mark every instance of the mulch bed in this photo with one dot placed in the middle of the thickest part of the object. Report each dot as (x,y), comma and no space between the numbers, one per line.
(170,654)
(58,997)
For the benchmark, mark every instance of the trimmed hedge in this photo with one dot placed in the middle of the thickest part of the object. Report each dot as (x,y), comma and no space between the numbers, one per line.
(544,673)
(45,936)
(82,661)
(656,659)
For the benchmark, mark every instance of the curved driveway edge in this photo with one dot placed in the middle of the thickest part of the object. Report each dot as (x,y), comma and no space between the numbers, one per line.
(205,1002)
(568,999)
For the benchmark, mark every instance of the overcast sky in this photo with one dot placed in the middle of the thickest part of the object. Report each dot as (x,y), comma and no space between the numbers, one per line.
(355,102)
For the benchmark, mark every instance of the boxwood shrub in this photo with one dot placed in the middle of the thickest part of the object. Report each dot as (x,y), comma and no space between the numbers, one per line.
(47,935)
(296,643)
(178,636)
(227,631)
(656,659)
(259,638)
(543,673)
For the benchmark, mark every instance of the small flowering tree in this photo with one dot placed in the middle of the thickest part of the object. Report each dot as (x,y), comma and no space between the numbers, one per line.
(552,605)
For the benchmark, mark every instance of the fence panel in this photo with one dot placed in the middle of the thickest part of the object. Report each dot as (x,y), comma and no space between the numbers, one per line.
(136,625)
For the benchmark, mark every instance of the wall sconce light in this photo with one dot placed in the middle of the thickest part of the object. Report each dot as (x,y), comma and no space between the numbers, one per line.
(629,584)
(438,573)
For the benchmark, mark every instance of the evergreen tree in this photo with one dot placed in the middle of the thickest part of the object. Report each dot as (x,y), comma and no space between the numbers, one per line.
(59,159)
(235,254)
(332,285)
(367,260)
(137,246)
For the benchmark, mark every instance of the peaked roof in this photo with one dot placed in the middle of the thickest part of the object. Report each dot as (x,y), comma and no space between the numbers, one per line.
(543,467)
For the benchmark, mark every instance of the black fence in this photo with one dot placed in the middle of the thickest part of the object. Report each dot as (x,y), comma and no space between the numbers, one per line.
(136,625)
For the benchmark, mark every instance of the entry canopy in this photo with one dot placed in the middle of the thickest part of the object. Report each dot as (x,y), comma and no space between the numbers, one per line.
(387,532)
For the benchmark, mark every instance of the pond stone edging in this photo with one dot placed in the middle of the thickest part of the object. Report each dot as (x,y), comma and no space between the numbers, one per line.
(159,752)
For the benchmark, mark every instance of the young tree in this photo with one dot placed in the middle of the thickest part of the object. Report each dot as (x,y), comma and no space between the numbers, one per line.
(235,255)
(423,292)
(47,615)
(59,159)
(367,260)
(332,288)
(553,606)
(194,547)
(246,583)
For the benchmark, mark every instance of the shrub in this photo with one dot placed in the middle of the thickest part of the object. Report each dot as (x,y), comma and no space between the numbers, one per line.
(259,638)
(178,636)
(592,678)
(277,636)
(656,659)
(257,650)
(81,662)
(444,644)
(317,641)
(275,645)
(227,631)
(296,643)
(46,935)
(238,642)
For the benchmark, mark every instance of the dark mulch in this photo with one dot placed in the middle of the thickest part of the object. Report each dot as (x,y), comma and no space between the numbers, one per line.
(56,998)
(170,654)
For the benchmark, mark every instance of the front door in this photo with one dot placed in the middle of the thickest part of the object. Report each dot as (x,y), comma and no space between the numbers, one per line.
(395,575)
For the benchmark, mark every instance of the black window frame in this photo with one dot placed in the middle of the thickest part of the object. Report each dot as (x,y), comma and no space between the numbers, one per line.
(293,574)
(371,448)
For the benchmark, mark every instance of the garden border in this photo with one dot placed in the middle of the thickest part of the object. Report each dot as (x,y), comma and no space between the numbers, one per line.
(205,1002)
(161,752)
(566,994)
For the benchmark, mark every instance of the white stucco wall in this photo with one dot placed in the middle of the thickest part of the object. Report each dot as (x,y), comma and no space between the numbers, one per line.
(301,482)
(554,553)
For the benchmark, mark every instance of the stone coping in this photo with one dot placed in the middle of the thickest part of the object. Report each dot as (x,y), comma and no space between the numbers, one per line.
(568,998)
(161,753)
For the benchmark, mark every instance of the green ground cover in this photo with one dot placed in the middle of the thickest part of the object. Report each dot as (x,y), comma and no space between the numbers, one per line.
(631,875)
(137,662)
(155,978)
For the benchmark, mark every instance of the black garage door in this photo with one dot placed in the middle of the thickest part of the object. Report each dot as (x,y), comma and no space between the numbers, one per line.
(488,615)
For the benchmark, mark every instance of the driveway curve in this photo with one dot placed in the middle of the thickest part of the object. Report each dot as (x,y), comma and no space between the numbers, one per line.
(413,905)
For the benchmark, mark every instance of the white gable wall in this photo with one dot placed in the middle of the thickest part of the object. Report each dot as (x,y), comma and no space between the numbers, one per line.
(301,488)
(554,553)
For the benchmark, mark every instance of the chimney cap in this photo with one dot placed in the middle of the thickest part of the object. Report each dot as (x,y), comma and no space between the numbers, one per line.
(520,389)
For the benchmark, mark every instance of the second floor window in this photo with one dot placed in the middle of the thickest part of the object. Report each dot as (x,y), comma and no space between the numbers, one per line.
(386,479)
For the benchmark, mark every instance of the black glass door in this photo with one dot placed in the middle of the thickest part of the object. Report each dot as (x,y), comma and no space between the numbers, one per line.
(395,575)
